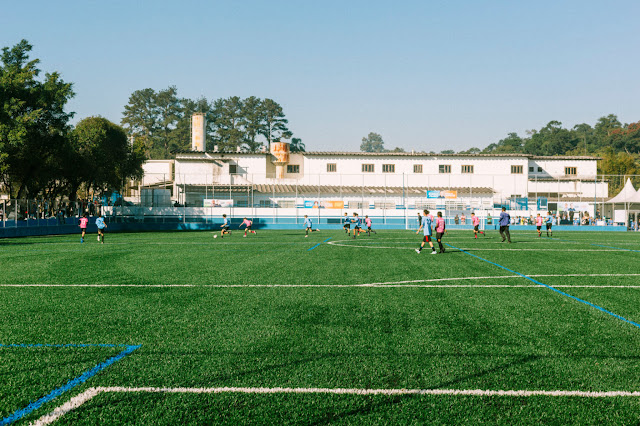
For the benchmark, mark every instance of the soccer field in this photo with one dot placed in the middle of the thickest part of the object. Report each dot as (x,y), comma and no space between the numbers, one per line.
(276,328)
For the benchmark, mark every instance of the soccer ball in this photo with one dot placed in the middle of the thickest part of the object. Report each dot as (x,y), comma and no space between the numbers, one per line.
(215,236)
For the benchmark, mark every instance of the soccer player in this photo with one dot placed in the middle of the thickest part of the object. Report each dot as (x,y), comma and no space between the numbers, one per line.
(101,226)
(476,225)
(246,222)
(83,226)
(539,225)
(226,223)
(356,224)
(308,225)
(425,226)
(440,230)
(367,222)
(549,222)
(347,224)
(504,222)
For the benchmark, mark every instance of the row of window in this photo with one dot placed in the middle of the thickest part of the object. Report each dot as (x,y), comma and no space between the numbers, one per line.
(417,168)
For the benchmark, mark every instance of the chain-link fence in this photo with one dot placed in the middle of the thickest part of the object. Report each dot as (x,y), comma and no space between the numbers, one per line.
(389,198)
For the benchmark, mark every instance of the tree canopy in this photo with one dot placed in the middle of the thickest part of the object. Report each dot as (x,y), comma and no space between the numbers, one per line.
(162,120)
(41,154)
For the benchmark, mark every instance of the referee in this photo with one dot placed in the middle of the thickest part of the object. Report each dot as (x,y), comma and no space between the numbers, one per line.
(504,222)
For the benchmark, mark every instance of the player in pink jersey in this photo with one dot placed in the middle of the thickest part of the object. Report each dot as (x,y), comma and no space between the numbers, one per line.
(476,225)
(440,229)
(83,226)
(246,222)
(539,222)
(367,221)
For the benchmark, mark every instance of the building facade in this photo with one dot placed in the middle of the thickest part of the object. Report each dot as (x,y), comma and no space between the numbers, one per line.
(359,180)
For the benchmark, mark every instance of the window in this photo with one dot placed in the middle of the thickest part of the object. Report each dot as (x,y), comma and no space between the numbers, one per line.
(467,169)
(388,168)
(332,167)
(233,169)
(570,171)
(287,204)
(417,168)
(444,168)
(530,169)
(293,168)
(265,203)
(367,168)
(516,170)
(539,169)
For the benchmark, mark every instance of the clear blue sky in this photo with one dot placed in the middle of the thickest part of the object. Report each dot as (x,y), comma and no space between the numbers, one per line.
(426,75)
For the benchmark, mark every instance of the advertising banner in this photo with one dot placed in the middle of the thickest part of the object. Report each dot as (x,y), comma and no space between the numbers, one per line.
(333,204)
(217,203)
(442,194)
(570,209)
(309,204)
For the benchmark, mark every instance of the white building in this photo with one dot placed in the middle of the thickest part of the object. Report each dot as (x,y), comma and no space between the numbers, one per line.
(380,180)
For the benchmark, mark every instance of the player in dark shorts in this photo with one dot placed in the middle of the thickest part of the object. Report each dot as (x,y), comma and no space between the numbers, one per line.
(225,226)
(356,224)
(347,224)
(549,223)
(440,230)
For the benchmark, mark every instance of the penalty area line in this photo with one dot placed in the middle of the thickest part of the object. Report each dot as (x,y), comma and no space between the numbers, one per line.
(90,393)
(19,414)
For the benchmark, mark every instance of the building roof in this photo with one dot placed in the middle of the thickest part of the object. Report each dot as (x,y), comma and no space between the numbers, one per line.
(396,154)
(310,190)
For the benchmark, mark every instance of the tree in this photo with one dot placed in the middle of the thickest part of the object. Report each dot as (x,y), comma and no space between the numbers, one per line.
(154,117)
(447,151)
(273,124)
(396,149)
(585,134)
(33,123)
(626,139)
(251,123)
(297,145)
(372,143)
(104,157)
(228,123)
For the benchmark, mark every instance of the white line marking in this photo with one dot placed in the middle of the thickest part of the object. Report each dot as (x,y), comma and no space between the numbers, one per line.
(70,405)
(379,284)
(78,400)
(541,250)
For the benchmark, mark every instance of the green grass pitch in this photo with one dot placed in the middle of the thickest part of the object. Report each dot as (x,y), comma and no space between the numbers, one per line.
(277,311)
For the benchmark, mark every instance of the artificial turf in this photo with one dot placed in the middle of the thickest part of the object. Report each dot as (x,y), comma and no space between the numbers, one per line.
(370,313)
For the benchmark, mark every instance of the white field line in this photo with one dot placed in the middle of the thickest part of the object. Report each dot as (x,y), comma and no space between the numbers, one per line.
(87,395)
(335,243)
(394,284)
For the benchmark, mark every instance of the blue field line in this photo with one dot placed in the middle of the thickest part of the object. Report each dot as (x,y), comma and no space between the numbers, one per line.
(17,415)
(617,248)
(319,244)
(551,288)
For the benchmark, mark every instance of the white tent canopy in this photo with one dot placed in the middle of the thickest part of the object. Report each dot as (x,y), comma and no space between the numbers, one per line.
(627,195)
(635,198)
